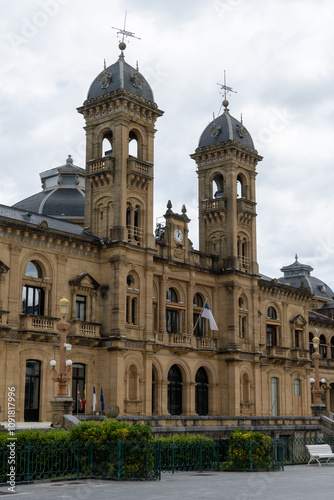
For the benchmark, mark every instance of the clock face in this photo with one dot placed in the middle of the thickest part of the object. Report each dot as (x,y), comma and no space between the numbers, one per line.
(178,235)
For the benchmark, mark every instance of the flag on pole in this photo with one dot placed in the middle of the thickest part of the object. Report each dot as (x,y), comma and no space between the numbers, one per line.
(79,400)
(206,313)
(102,400)
(84,399)
(94,398)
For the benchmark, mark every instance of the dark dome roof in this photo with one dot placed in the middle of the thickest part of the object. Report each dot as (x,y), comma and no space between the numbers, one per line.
(225,128)
(63,194)
(120,75)
(298,274)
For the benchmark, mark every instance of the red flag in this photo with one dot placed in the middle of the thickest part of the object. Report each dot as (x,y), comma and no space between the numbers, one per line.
(84,399)
(79,399)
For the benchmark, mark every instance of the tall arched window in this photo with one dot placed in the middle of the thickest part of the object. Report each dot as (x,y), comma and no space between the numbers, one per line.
(274,396)
(132,298)
(33,295)
(198,321)
(218,186)
(174,403)
(243,315)
(332,348)
(78,385)
(323,346)
(201,392)
(172,311)
(107,144)
(272,327)
(311,346)
(133,376)
(134,224)
(133,145)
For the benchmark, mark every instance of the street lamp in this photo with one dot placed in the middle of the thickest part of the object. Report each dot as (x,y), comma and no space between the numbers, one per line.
(317,386)
(62,377)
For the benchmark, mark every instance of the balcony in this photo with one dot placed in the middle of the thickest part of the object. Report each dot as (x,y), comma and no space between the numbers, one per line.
(216,204)
(206,343)
(85,329)
(281,353)
(300,355)
(244,205)
(101,165)
(39,324)
(140,167)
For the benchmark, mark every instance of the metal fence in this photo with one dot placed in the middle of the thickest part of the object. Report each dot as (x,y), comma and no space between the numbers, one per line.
(137,460)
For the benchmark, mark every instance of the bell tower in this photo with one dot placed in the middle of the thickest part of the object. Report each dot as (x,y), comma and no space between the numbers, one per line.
(120,115)
(226,167)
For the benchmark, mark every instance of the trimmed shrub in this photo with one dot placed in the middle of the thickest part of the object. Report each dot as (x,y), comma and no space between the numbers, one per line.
(249,450)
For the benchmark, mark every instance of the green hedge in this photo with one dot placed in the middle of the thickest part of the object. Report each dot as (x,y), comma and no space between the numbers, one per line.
(249,451)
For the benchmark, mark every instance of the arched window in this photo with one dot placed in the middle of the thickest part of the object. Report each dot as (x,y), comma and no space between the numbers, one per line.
(132,298)
(33,295)
(274,396)
(33,269)
(174,403)
(107,144)
(133,145)
(201,392)
(154,391)
(241,186)
(271,313)
(198,321)
(78,385)
(134,224)
(218,186)
(242,249)
(133,376)
(243,316)
(245,388)
(332,348)
(323,346)
(172,312)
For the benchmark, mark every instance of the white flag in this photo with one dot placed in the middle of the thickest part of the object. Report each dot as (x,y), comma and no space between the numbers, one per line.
(206,313)
(94,398)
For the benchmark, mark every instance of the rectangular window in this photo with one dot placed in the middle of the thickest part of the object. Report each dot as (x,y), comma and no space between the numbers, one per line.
(33,300)
(296,387)
(172,321)
(80,306)
(297,346)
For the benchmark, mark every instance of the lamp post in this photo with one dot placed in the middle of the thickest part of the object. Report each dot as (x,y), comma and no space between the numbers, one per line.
(317,386)
(62,403)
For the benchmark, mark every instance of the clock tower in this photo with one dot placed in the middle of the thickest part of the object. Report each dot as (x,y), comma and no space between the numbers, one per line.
(173,238)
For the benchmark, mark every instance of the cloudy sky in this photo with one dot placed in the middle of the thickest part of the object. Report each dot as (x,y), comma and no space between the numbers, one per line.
(278,56)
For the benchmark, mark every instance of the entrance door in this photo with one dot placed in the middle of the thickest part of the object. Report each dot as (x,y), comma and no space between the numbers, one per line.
(32,388)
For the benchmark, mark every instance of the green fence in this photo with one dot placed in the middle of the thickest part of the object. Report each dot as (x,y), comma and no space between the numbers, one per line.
(120,460)
(294,449)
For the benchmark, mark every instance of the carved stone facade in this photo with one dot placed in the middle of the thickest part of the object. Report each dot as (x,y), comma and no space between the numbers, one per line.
(136,297)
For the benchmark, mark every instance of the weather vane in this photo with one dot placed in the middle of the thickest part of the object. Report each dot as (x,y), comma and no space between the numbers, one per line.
(124,33)
(225,87)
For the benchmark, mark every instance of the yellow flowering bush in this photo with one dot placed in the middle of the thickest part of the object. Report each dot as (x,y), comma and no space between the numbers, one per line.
(249,450)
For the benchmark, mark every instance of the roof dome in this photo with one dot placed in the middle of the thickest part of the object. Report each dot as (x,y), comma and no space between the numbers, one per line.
(298,275)
(120,75)
(225,128)
(63,194)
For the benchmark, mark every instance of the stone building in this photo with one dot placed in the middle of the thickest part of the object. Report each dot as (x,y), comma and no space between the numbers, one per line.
(137,292)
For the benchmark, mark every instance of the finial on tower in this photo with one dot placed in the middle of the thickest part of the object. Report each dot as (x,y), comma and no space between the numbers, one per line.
(226,91)
(124,34)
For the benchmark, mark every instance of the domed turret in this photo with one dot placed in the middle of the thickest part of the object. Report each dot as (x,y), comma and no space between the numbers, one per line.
(298,274)
(225,128)
(63,194)
(120,75)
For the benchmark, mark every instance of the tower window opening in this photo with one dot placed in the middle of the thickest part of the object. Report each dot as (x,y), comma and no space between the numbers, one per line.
(107,144)
(218,186)
(133,145)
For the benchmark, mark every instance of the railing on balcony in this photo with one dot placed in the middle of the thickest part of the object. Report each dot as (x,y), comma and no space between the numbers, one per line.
(214,204)
(140,167)
(244,263)
(85,329)
(107,163)
(135,234)
(206,343)
(244,205)
(38,323)
(179,339)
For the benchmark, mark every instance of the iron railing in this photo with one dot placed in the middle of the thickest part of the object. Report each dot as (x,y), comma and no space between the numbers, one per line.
(147,459)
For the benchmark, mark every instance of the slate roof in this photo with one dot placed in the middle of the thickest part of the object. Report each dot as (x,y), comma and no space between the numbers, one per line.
(120,75)
(59,202)
(34,219)
(225,128)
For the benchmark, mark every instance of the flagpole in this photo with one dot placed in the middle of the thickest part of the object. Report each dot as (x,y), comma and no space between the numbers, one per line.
(199,316)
